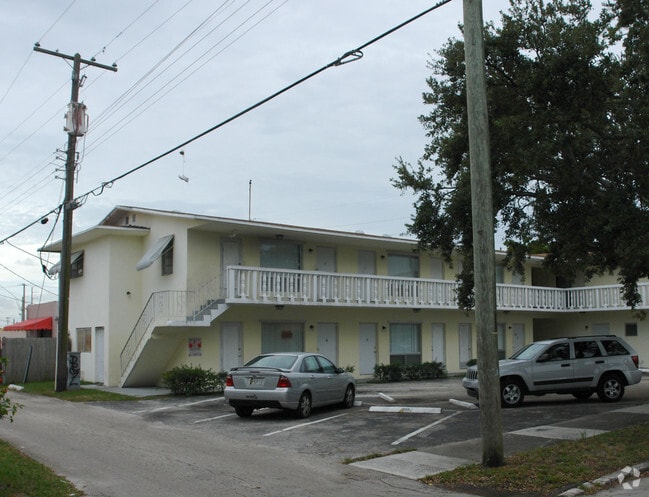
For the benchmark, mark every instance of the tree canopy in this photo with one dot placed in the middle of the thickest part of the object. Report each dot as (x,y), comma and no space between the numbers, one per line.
(568,100)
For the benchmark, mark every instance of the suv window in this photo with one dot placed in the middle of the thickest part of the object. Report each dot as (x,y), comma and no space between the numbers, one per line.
(586,350)
(613,347)
(558,352)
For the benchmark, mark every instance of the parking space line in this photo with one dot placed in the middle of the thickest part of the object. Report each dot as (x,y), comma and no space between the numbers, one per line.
(175,406)
(427,427)
(304,424)
(212,419)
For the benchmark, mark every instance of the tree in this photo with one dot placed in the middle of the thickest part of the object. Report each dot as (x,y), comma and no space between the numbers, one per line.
(568,113)
(7,408)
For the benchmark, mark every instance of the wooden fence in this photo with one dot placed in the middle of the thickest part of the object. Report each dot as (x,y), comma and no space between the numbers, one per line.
(28,359)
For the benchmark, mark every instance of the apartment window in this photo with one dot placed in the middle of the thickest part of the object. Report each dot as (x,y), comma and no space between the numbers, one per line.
(402,265)
(405,343)
(84,339)
(631,329)
(167,258)
(162,248)
(281,255)
(500,273)
(282,337)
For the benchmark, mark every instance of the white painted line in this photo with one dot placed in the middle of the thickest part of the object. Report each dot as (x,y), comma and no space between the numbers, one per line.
(420,430)
(175,406)
(461,403)
(303,424)
(386,397)
(400,409)
(212,419)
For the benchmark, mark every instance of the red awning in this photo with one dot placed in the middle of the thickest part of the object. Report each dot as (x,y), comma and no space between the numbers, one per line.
(31,324)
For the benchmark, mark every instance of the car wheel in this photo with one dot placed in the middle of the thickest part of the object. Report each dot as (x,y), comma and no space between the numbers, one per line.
(350,395)
(304,406)
(243,412)
(511,392)
(610,388)
(582,395)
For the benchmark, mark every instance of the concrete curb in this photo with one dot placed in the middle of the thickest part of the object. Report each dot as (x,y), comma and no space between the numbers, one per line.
(612,478)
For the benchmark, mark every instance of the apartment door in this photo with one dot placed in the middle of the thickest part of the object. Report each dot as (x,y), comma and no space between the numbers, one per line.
(328,340)
(325,259)
(230,256)
(439,343)
(99,355)
(367,348)
(518,336)
(466,345)
(231,346)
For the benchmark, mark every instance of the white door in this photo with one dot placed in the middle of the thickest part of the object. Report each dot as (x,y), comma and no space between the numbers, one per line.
(328,341)
(366,262)
(439,343)
(601,329)
(518,338)
(230,256)
(231,350)
(466,347)
(325,259)
(367,348)
(99,355)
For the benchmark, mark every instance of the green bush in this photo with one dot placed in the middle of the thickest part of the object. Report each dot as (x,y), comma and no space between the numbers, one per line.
(388,373)
(8,408)
(191,380)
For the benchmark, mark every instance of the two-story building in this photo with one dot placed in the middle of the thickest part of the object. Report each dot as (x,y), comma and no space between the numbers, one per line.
(153,289)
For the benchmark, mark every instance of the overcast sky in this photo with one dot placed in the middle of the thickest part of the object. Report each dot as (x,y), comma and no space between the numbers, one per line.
(320,155)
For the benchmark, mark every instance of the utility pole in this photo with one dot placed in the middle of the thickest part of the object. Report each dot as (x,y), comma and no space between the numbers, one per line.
(483,236)
(75,126)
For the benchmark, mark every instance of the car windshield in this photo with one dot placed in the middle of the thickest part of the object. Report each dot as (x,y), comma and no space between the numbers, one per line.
(273,361)
(528,352)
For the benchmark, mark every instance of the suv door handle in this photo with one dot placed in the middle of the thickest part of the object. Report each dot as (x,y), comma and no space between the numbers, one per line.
(566,365)
(600,362)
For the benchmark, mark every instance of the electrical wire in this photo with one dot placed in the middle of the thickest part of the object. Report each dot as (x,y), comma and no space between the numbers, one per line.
(97,143)
(349,56)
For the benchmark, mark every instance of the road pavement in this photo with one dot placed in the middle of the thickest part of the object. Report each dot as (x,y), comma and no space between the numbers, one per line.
(108,453)
(116,450)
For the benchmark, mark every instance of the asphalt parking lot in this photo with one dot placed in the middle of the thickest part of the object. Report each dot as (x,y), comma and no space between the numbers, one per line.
(387,418)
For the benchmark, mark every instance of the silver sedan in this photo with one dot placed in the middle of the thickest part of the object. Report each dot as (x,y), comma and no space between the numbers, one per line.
(292,380)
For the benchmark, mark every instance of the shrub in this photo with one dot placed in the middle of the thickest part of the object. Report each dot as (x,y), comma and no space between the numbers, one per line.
(7,408)
(191,380)
(388,373)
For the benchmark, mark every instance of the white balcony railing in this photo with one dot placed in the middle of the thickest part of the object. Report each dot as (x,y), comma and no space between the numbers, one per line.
(280,287)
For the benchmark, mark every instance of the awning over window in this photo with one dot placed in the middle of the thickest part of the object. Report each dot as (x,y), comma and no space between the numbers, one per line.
(56,268)
(154,252)
(31,324)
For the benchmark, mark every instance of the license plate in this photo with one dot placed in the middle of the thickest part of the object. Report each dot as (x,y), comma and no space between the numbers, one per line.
(255,381)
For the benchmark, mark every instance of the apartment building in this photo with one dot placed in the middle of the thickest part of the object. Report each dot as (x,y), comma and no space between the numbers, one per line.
(154,289)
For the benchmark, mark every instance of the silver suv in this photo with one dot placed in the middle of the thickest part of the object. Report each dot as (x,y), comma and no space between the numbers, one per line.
(580,366)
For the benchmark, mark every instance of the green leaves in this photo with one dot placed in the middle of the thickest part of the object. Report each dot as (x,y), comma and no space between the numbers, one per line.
(569,155)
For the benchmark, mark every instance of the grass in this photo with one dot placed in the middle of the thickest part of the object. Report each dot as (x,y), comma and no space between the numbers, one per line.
(549,470)
(80,395)
(21,476)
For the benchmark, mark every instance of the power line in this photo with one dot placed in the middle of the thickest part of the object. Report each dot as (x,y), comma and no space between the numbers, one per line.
(349,56)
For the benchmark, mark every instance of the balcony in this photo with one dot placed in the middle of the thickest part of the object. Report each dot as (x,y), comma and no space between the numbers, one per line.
(253,285)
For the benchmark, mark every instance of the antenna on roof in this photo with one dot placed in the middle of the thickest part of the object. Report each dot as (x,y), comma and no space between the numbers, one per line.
(250,200)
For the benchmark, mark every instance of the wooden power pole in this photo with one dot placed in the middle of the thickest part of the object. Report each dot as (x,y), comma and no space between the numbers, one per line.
(483,236)
(75,128)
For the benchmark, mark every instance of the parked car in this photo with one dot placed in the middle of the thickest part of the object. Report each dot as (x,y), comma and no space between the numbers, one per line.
(291,380)
(579,366)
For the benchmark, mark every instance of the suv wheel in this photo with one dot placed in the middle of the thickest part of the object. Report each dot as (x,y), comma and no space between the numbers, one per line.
(511,392)
(610,388)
